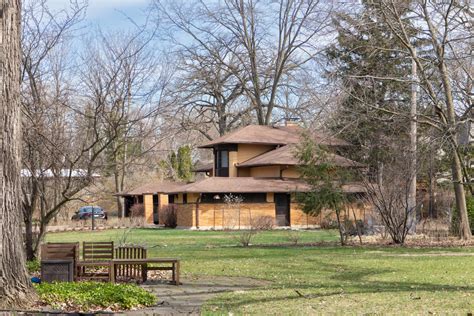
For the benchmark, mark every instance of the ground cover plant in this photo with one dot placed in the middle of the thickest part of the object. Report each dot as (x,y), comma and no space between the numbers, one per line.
(326,278)
(89,296)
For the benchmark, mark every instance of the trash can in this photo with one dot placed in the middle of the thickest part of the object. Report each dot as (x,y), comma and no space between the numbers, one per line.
(57,270)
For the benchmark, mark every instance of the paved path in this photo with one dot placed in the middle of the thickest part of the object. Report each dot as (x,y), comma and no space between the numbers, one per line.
(188,297)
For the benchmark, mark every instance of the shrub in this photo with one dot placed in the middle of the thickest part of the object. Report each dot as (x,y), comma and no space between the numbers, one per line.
(294,236)
(262,223)
(87,296)
(169,216)
(329,224)
(244,237)
(33,266)
(137,210)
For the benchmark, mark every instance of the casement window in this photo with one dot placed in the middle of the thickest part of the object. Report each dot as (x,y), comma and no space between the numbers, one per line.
(221,159)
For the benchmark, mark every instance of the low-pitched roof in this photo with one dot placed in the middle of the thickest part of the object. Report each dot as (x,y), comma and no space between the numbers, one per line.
(153,188)
(286,156)
(272,135)
(254,185)
(203,167)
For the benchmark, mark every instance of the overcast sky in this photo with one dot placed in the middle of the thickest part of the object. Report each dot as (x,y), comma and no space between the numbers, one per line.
(109,13)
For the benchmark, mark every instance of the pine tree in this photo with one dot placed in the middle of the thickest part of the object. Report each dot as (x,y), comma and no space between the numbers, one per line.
(365,56)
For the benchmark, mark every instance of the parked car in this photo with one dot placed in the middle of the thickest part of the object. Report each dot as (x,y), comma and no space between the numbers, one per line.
(85,212)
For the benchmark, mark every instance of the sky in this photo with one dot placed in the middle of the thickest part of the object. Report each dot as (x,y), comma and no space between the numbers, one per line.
(109,14)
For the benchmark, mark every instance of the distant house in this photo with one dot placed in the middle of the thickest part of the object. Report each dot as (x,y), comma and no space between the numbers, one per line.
(254,175)
(154,196)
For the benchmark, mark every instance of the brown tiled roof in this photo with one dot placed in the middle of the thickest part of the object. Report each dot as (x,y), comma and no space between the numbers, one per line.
(271,135)
(204,167)
(154,187)
(254,185)
(286,156)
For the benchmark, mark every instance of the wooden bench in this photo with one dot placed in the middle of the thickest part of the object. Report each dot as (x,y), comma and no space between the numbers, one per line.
(128,272)
(96,257)
(173,266)
(54,256)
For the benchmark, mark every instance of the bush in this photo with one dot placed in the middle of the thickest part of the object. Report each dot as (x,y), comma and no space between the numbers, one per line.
(169,216)
(244,237)
(294,236)
(33,266)
(137,210)
(87,296)
(262,223)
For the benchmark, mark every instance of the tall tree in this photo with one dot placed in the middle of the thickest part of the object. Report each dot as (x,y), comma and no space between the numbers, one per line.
(261,45)
(365,54)
(446,30)
(124,74)
(47,101)
(14,283)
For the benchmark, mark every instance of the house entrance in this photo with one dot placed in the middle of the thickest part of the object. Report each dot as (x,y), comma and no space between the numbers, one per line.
(282,209)
(156,215)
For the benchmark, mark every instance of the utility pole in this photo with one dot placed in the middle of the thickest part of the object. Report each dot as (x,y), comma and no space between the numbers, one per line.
(413,161)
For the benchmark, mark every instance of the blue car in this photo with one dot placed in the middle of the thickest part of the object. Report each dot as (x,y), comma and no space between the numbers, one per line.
(85,212)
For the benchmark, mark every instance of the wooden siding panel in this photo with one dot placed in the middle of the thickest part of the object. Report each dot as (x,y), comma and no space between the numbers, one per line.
(148,205)
(265,172)
(247,151)
(291,172)
(221,216)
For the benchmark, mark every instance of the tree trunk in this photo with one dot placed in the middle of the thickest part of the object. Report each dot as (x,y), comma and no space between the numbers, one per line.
(339,225)
(30,253)
(15,290)
(464,227)
(412,207)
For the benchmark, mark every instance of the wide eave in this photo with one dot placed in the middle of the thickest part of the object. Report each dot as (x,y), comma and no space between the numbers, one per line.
(255,185)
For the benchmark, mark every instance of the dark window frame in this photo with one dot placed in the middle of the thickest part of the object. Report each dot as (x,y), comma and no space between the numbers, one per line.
(258,197)
(219,151)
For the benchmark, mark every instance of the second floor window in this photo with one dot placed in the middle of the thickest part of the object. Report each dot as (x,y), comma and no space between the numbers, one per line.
(222,163)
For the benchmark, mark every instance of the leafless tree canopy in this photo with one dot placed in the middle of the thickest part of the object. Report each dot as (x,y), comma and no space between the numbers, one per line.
(244,61)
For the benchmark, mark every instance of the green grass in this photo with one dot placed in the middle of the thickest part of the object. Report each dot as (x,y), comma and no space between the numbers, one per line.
(331,279)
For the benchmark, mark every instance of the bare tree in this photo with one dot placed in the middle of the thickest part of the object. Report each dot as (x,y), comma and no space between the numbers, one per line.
(48,131)
(390,198)
(14,285)
(446,30)
(125,75)
(263,44)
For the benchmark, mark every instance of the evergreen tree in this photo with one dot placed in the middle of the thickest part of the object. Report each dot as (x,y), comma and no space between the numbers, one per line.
(185,164)
(365,56)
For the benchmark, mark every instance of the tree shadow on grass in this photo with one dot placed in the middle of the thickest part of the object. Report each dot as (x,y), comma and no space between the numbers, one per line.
(347,280)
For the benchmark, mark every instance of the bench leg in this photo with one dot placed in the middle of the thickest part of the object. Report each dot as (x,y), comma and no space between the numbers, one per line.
(177,273)
(112,273)
(174,273)
(144,272)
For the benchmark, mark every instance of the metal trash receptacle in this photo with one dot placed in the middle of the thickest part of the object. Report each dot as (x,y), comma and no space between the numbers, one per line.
(57,270)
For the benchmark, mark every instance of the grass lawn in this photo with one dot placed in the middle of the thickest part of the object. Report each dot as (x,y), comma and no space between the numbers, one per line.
(309,280)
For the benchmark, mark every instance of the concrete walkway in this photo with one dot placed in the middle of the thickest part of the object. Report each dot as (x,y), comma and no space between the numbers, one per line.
(188,297)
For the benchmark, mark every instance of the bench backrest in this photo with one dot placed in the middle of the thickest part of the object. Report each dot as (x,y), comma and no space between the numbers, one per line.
(130,252)
(130,271)
(57,251)
(94,251)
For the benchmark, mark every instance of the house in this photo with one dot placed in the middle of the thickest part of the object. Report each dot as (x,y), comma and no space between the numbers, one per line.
(254,176)
(154,196)
(256,164)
